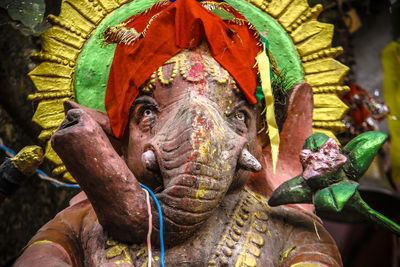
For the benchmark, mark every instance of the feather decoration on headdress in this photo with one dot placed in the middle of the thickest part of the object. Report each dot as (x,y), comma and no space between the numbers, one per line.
(121,34)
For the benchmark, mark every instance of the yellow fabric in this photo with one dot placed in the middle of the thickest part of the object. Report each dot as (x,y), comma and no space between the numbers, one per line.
(273,131)
(38,243)
(391,93)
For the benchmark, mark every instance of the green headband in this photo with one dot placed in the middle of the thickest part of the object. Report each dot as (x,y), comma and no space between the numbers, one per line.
(95,60)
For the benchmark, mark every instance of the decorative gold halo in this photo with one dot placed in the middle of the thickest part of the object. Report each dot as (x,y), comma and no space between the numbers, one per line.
(78,19)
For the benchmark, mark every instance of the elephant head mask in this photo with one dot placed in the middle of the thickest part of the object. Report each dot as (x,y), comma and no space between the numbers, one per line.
(190,139)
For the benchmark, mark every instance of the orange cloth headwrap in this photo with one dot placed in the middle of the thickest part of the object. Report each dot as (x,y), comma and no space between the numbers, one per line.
(183,24)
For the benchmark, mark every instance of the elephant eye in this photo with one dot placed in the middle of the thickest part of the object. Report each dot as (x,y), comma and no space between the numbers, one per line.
(240,116)
(146,118)
(148,113)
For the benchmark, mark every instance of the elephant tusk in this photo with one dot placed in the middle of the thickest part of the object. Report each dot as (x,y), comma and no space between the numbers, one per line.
(149,160)
(248,162)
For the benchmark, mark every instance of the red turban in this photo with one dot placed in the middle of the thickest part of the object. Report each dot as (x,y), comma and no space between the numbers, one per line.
(180,25)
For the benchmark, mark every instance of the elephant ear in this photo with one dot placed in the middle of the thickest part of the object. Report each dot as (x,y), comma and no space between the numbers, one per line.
(295,130)
(101,118)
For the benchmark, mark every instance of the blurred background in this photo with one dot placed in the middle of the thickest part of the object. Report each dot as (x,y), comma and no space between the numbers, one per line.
(369,32)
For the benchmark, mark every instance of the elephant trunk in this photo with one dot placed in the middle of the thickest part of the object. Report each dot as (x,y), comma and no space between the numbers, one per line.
(197,154)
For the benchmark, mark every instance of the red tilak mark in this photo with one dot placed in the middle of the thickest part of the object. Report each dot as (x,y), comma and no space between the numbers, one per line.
(196,71)
(193,156)
(193,178)
(200,120)
(187,167)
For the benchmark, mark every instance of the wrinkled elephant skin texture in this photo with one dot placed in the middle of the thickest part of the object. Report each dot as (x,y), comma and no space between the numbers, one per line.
(197,146)
(196,132)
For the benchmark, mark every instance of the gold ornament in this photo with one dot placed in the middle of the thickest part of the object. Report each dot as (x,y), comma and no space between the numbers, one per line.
(63,43)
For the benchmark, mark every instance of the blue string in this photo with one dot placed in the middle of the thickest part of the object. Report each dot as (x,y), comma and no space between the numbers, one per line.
(65,185)
(161,222)
(9,150)
(57,184)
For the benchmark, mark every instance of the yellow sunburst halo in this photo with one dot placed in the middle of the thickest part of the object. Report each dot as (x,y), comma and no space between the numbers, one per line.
(80,19)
